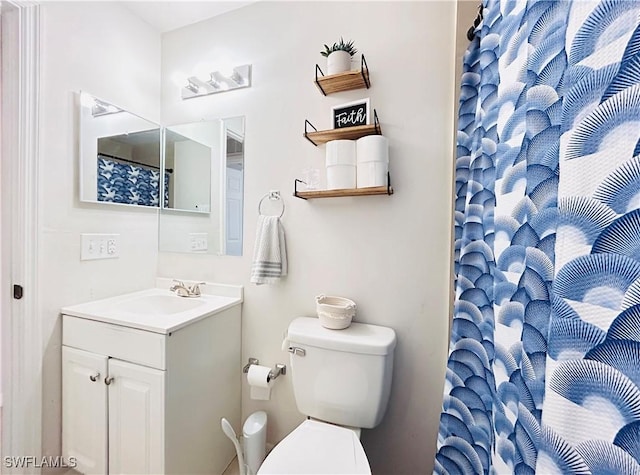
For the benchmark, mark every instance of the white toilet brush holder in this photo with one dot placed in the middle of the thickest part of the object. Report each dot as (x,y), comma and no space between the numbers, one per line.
(254,441)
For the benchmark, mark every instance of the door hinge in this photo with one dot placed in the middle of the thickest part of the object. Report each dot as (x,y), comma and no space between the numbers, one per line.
(17,291)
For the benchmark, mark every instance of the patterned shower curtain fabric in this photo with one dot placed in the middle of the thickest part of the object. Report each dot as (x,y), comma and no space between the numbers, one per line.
(130,184)
(543,374)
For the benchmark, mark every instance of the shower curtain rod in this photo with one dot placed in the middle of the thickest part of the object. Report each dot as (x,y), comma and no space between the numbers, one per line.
(170,170)
(476,22)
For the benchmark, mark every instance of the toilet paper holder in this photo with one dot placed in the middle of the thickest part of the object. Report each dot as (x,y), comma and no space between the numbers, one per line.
(273,374)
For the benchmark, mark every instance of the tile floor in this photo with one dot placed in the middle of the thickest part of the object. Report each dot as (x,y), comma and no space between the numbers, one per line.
(233,468)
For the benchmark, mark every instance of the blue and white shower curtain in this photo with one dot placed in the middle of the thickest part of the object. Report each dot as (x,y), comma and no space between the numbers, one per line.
(543,374)
(130,184)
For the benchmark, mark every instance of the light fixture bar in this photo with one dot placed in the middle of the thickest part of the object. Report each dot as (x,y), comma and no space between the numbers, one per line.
(239,78)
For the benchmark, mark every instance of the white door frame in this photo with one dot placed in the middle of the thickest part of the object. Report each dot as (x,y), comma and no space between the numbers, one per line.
(21,320)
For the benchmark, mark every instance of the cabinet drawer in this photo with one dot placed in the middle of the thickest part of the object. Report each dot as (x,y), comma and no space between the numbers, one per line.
(128,344)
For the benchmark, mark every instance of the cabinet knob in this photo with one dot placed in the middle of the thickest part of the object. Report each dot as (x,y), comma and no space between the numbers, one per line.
(108,380)
(94,378)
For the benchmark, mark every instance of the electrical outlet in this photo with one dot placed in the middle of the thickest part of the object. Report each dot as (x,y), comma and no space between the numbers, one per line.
(99,246)
(198,242)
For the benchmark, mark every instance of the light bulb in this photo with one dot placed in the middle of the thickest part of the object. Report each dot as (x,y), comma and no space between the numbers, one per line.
(193,87)
(213,81)
(235,77)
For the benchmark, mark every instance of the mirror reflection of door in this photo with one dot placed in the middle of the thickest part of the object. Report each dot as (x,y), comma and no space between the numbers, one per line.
(234,193)
(189,157)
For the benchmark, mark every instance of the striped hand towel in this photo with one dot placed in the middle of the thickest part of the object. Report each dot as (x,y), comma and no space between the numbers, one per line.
(270,253)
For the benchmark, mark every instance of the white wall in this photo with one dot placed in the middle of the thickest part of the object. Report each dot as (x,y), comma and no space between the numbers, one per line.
(103,49)
(390,254)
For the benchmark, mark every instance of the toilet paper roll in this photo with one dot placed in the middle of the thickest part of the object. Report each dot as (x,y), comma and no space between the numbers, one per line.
(372,174)
(372,148)
(341,164)
(341,177)
(340,152)
(373,161)
(259,382)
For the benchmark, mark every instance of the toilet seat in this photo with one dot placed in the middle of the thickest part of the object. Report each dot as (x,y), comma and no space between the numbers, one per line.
(317,448)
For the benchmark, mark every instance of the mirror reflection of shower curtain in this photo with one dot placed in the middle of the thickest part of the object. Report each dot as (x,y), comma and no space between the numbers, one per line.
(127,183)
(543,371)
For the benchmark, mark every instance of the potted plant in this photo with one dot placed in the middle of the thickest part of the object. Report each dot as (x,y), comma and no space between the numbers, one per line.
(339,56)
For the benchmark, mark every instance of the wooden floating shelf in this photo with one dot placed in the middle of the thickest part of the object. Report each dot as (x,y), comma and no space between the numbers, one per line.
(369,191)
(374,190)
(346,81)
(340,82)
(318,137)
(346,133)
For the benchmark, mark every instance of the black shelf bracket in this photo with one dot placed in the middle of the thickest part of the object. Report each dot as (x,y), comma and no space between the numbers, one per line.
(306,131)
(295,189)
(376,122)
(389,190)
(365,77)
(318,82)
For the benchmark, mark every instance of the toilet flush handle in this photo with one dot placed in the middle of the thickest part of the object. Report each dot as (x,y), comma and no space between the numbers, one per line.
(297,351)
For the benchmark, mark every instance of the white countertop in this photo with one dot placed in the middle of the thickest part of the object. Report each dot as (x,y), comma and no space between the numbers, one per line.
(157,309)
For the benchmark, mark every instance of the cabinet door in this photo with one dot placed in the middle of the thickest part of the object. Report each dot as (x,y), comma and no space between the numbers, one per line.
(136,419)
(84,410)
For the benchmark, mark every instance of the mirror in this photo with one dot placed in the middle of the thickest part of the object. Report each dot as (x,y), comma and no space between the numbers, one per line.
(189,151)
(119,155)
(203,203)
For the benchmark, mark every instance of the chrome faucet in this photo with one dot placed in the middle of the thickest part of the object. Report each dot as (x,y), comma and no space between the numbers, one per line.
(182,290)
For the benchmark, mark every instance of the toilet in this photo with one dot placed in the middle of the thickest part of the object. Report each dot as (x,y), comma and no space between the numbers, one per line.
(341,381)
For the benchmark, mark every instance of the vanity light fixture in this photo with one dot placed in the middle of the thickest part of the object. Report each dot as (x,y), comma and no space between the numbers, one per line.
(237,78)
(98,107)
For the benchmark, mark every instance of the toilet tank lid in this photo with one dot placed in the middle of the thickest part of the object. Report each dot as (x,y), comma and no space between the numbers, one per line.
(357,338)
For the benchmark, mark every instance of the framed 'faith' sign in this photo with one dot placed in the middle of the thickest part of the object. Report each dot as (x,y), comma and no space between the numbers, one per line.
(351,114)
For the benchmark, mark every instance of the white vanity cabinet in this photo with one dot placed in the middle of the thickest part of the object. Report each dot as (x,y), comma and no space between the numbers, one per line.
(112,419)
(137,401)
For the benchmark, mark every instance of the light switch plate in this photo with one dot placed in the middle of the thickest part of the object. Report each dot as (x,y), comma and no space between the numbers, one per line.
(99,246)
(198,242)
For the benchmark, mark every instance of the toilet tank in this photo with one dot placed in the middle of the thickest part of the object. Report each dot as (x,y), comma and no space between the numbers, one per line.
(341,376)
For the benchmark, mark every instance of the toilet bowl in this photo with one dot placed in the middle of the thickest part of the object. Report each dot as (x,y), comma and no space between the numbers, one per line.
(316,447)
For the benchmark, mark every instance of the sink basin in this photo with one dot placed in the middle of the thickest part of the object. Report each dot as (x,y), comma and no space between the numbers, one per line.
(157,309)
(159,304)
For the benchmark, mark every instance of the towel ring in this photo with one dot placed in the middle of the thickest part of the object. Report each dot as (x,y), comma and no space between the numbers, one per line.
(272,195)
